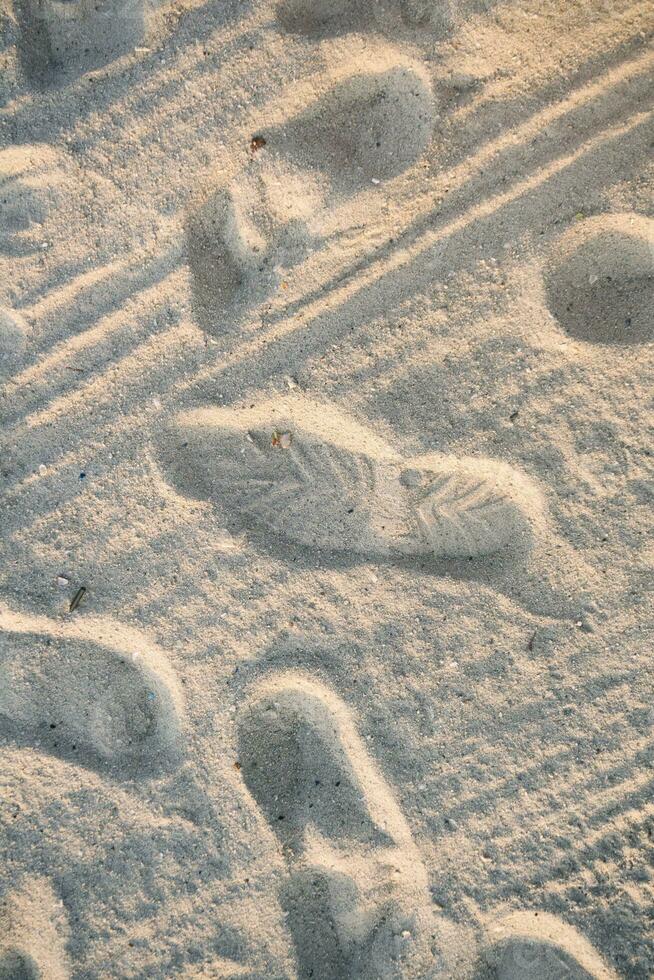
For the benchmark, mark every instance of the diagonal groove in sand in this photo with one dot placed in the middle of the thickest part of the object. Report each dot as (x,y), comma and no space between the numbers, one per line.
(133,320)
(292,327)
(26,110)
(630,819)
(570,775)
(127,368)
(123,273)
(574,787)
(456,179)
(331,293)
(453,179)
(636,816)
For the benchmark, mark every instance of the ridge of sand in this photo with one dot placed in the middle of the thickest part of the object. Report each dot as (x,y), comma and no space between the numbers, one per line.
(325,360)
(33,933)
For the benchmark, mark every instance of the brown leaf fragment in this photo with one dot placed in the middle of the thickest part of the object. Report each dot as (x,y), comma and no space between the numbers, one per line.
(281,440)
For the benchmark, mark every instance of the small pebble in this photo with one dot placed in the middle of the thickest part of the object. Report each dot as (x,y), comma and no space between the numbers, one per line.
(62,581)
(43,469)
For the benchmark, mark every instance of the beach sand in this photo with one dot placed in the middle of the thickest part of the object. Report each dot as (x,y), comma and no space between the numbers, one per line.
(327,471)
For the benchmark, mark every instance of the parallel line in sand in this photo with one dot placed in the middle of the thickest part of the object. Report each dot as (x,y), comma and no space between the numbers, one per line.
(578,793)
(571,784)
(61,295)
(173,342)
(263,113)
(598,796)
(628,819)
(157,80)
(638,17)
(610,704)
(522,133)
(122,319)
(132,266)
(559,754)
(290,326)
(632,818)
(454,179)
(511,138)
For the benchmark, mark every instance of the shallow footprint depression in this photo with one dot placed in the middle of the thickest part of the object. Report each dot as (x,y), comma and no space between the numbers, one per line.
(371,126)
(75,695)
(599,280)
(539,946)
(356,897)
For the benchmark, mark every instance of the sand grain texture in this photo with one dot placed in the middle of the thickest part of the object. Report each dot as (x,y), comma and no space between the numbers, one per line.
(326,349)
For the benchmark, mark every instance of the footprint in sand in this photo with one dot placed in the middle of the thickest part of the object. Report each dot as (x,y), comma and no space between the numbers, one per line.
(356,896)
(370,125)
(302,471)
(60,39)
(599,280)
(538,946)
(33,933)
(305,471)
(242,237)
(93,693)
(328,18)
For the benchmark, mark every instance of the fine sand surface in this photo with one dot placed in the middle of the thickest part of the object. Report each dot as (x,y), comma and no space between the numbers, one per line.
(326,350)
